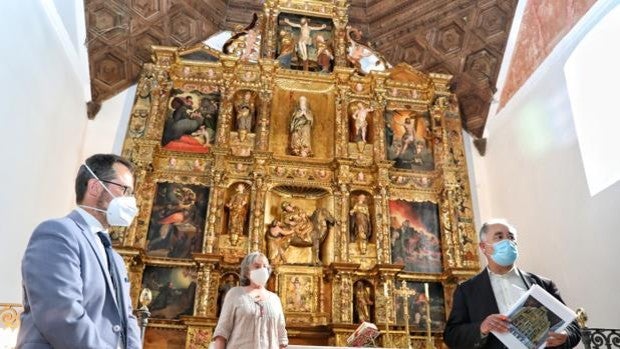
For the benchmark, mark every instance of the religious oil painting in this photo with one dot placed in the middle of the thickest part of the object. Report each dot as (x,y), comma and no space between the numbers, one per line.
(177,220)
(305,43)
(414,235)
(169,338)
(408,140)
(191,121)
(418,301)
(173,289)
(298,293)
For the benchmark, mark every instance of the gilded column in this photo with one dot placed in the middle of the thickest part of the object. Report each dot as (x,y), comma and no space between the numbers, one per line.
(226,107)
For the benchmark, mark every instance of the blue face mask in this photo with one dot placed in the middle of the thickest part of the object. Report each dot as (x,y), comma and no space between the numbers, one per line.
(505,252)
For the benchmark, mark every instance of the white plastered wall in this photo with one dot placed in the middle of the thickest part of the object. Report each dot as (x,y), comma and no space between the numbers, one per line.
(42,117)
(533,175)
(46,134)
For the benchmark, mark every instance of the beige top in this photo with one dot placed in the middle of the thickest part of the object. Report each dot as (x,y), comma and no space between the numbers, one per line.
(249,324)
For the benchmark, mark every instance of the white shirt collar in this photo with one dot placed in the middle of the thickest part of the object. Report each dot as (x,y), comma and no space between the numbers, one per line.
(511,273)
(93,224)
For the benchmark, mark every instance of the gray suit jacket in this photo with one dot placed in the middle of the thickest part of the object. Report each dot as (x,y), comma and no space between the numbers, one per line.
(68,294)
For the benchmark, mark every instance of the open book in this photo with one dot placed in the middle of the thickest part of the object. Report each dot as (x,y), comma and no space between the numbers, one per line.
(364,334)
(532,317)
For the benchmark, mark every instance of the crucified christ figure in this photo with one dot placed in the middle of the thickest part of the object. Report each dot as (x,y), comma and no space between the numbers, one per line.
(304,36)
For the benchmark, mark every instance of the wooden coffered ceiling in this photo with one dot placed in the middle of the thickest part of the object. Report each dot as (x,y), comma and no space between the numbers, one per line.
(465,38)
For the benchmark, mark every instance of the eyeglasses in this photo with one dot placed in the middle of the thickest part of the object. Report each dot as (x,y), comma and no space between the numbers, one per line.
(126,189)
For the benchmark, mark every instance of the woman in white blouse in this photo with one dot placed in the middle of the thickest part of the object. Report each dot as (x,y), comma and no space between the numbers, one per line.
(251,316)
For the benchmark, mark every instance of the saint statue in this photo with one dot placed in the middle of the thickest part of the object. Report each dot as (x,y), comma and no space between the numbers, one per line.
(360,222)
(324,56)
(362,301)
(293,224)
(286,49)
(238,208)
(245,109)
(225,285)
(361,124)
(301,129)
(296,221)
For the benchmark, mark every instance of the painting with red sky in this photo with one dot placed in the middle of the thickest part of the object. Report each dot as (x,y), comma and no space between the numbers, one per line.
(414,235)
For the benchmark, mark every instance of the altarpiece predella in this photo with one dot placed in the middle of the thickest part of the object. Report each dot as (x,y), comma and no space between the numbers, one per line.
(294,138)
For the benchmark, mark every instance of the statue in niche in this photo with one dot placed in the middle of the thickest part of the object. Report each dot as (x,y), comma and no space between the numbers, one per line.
(286,49)
(301,129)
(238,209)
(360,223)
(296,228)
(226,284)
(304,40)
(362,301)
(244,110)
(360,116)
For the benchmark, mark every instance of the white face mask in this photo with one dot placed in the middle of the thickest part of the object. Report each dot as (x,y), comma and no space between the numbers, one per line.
(259,276)
(121,210)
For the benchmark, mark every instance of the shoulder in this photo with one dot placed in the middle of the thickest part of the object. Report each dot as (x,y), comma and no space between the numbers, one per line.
(537,279)
(236,291)
(63,228)
(475,281)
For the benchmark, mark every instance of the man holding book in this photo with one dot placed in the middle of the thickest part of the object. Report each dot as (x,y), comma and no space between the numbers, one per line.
(480,302)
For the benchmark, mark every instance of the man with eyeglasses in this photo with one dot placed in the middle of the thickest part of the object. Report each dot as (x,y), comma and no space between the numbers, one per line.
(479,302)
(76,288)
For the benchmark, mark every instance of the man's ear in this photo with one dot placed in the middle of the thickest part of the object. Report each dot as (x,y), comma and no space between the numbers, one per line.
(482,245)
(93,187)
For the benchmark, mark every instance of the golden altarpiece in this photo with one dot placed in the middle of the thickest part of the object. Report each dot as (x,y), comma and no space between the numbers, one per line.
(294,138)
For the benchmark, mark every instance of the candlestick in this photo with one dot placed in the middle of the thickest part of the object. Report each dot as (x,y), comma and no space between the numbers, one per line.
(429,338)
(388,339)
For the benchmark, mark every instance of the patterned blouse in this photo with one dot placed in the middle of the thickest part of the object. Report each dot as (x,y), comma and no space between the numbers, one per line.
(249,324)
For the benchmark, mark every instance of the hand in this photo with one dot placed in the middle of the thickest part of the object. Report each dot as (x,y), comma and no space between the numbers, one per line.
(556,338)
(494,322)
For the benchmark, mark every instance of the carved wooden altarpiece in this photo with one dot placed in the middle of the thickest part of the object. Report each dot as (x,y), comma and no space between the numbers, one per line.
(297,140)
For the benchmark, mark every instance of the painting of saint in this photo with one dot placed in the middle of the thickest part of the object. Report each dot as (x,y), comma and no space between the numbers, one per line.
(298,294)
(191,122)
(417,306)
(409,140)
(174,290)
(414,235)
(177,220)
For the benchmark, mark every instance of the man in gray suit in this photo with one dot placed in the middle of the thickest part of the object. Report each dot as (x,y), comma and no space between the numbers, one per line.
(76,288)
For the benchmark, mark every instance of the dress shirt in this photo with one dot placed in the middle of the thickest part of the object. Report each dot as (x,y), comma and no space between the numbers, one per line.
(507,288)
(94,226)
